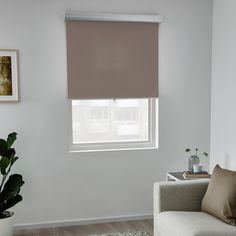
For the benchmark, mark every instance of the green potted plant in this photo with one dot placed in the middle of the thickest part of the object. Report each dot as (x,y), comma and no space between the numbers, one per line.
(9,186)
(194,158)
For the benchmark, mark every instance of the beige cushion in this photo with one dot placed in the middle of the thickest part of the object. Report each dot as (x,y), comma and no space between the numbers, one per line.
(220,197)
(182,223)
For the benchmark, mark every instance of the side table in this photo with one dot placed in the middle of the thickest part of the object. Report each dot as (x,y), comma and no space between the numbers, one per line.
(175,176)
(178,176)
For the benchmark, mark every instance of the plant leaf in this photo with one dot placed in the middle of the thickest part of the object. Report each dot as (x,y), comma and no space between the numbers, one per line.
(205,153)
(10,203)
(4,163)
(11,187)
(3,147)
(13,160)
(11,139)
(10,153)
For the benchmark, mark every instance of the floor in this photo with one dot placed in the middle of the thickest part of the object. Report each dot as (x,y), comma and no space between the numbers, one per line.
(85,230)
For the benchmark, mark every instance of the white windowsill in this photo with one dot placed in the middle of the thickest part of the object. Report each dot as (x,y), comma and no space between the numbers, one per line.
(113,150)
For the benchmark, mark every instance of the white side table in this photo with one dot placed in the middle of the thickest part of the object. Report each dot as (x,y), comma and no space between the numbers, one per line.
(175,176)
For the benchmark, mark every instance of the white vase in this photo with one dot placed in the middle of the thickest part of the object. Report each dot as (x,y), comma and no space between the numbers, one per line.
(6,226)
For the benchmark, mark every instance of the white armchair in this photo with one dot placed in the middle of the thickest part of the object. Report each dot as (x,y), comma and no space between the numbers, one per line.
(177,211)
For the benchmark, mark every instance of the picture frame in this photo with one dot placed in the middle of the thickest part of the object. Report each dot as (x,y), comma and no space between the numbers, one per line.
(8,75)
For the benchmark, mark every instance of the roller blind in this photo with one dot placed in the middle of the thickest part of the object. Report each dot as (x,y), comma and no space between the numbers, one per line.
(108,59)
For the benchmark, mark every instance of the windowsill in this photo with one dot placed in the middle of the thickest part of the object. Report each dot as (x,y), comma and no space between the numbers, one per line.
(113,150)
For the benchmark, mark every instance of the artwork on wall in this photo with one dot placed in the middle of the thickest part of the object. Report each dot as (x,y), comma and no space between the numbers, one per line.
(8,75)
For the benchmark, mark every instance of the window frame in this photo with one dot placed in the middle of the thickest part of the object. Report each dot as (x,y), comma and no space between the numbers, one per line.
(151,143)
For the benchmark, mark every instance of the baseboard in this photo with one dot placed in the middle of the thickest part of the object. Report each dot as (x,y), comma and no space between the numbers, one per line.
(82,222)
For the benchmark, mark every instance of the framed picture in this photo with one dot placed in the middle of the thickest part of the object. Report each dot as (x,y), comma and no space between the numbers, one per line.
(8,75)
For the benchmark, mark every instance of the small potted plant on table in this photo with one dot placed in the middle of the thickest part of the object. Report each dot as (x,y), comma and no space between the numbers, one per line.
(194,158)
(9,186)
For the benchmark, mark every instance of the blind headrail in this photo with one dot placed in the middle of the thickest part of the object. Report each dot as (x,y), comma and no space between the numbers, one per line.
(70,15)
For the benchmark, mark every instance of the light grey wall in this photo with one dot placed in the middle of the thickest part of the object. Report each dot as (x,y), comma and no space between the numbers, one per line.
(61,186)
(223,114)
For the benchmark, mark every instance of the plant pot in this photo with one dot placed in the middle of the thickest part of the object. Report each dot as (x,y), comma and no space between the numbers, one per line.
(6,224)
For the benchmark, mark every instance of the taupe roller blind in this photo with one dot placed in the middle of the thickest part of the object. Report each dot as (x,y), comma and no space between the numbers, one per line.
(112,59)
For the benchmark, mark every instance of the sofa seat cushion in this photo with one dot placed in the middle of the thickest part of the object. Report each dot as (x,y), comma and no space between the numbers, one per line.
(182,223)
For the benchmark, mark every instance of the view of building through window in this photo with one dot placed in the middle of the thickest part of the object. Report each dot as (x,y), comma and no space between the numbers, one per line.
(119,120)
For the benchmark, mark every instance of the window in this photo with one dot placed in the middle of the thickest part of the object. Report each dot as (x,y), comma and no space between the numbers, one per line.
(107,124)
(112,80)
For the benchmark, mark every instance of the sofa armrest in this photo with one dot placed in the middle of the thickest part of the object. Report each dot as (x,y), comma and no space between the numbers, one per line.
(179,195)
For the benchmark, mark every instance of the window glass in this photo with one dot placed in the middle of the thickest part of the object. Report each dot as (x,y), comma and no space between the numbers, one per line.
(102,121)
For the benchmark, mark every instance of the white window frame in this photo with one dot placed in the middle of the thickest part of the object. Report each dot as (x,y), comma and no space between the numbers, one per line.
(151,143)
